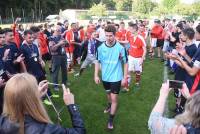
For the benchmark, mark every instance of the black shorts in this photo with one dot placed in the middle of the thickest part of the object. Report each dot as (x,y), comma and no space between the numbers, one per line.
(160,42)
(46,57)
(113,87)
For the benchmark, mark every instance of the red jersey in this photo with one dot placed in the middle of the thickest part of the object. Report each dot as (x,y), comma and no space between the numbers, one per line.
(43,43)
(81,34)
(136,46)
(157,32)
(70,38)
(143,34)
(118,35)
(128,35)
(16,36)
(123,33)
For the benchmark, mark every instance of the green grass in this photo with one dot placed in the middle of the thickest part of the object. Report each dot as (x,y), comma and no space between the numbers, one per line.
(134,106)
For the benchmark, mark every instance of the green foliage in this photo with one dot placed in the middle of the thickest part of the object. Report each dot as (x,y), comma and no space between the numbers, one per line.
(120,6)
(171,7)
(142,6)
(43,8)
(84,16)
(123,5)
(183,9)
(160,10)
(47,7)
(196,7)
(98,10)
(110,4)
(169,4)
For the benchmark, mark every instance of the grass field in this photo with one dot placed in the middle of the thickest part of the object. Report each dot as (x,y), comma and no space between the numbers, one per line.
(134,106)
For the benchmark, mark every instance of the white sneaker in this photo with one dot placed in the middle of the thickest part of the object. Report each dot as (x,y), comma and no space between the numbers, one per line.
(76,75)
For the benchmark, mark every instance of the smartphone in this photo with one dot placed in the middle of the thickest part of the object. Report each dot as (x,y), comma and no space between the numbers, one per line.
(176,84)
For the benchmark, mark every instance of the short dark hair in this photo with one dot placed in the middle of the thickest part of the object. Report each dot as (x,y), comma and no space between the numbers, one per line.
(133,25)
(110,28)
(108,22)
(141,21)
(122,23)
(130,23)
(142,25)
(189,32)
(7,30)
(35,29)
(157,21)
(73,23)
(60,24)
(99,20)
(180,25)
(2,31)
(117,25)
(26,32)
(184,22)
(198,28)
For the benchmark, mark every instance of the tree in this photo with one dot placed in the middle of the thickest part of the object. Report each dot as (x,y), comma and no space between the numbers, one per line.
(183,9)
(170,4)
(98,10)
(196,7)
(122,5)
(119,5)
(110,4)
(160,10)
(142,6)
(45,7)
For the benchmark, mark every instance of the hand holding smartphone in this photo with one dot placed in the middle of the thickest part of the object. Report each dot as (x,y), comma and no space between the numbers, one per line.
(43,87)
(175,84)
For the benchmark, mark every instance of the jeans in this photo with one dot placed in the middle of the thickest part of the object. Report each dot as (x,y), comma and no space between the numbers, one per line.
(57,63)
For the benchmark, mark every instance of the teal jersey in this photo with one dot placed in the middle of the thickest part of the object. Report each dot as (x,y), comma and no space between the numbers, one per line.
(111,59)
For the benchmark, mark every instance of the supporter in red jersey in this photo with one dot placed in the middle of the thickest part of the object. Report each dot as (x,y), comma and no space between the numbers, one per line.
(137,54)
(157,39)
(118,34)
(124,36)
(142,31)
(70,50)
(17,36)
(44,51)
(123,31)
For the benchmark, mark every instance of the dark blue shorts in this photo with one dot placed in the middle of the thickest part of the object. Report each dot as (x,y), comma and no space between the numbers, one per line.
(112,87)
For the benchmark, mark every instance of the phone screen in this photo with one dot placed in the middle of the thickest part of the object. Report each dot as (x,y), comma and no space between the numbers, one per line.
(175,84)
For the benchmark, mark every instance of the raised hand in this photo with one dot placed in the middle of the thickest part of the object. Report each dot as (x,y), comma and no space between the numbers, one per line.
(20,58)
(43,87)
(68,97)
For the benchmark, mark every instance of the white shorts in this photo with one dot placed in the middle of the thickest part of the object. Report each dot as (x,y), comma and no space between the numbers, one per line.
(165,46)
(134,64)
(153,42)
(69,59)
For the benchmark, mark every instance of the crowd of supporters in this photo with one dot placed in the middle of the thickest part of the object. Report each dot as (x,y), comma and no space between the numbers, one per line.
(40,48)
